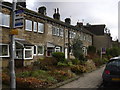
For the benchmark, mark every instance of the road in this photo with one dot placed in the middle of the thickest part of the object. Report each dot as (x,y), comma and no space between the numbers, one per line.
(88,80)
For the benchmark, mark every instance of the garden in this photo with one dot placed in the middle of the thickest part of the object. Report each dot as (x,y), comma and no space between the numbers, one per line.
(46,72)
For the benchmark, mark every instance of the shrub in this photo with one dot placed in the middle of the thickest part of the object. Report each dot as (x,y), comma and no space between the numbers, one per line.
(31,82)
(82,58)
(75,61)
(46,63)
(5,78)
(60,75)
(78,69)
(91,49)
(24,74)
(39,74)
(59,56)
(99,61)
(90,65)
(114,52)
(62,64)
(70,64)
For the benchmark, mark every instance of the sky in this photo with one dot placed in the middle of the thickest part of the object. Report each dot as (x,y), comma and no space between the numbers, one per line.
(86,11)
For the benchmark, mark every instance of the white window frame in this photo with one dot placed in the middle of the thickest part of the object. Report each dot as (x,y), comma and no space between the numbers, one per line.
(57,32)
(61,32)
(42,51)
(36,50)
(26,25)
(7,51)
(39,29)
(28,50)
(35,25)
(57,48)
(2,15)
(53,30)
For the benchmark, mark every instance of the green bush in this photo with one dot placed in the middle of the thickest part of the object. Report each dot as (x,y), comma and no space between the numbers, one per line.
(98,61)
(70,64)
(24,74)
(114,52)
(46,63)
(59,56)
(62,64)
(91,49)
(75,61)
(82,58)
(78,69)
(39,74)
(60,75)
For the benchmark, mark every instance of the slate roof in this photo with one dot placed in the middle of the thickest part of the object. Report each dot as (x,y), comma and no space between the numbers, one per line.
(38,15)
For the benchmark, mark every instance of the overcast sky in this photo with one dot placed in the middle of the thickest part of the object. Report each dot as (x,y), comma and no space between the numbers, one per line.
(88,11)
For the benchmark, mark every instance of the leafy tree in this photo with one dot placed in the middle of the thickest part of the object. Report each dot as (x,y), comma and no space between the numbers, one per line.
(115,51)
(77,48)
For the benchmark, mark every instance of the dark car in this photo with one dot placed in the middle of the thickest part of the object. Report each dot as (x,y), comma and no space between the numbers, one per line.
(112,71)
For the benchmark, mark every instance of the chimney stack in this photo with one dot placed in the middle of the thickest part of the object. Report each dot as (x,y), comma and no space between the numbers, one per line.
(42,10)
(79,24)
(56,15)
(21,3)
(68,20)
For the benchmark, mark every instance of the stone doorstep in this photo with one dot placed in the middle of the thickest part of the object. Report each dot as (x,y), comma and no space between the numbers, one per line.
(72,79)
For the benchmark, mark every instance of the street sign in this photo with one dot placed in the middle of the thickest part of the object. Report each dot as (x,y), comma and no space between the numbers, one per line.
(19,19)
(14,32)
(103,50)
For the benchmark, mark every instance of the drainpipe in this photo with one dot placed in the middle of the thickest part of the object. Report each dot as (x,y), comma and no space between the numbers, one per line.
(68,44)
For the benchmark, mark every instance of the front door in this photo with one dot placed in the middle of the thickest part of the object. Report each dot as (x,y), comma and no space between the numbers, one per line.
(49,51)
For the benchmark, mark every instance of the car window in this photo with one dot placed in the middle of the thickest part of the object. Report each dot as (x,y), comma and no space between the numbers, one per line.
(115,62)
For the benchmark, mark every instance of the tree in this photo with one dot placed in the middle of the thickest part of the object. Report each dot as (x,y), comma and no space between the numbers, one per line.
(115,51)
(77,48)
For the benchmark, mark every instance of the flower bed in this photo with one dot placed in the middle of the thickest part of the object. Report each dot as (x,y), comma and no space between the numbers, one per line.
(38,78)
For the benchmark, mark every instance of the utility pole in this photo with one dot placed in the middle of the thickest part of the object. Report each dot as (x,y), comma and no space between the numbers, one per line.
(12,50)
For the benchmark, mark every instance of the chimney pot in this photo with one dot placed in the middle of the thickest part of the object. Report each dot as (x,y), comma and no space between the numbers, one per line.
(68,20)
(42,10)
(79,24)
(56,15)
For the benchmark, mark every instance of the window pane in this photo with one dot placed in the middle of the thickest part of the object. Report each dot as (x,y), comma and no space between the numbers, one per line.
(53,30)
(28,25)
(41,27)
(4,20)
(35,26)
(40,49)
(61,32)
(57,49)
(28,47)
(7,20)
(19,53)
(28,53)
(57,32)
(4,50)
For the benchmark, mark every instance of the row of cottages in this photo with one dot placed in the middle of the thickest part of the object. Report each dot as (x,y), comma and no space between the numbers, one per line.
(39,36)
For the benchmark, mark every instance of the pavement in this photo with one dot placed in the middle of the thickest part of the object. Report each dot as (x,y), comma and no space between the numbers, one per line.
(88,80)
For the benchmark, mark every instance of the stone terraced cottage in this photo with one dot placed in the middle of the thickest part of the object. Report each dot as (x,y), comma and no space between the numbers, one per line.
(39,37)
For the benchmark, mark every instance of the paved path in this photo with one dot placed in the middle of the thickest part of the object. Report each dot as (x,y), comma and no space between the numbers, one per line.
(89,80)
